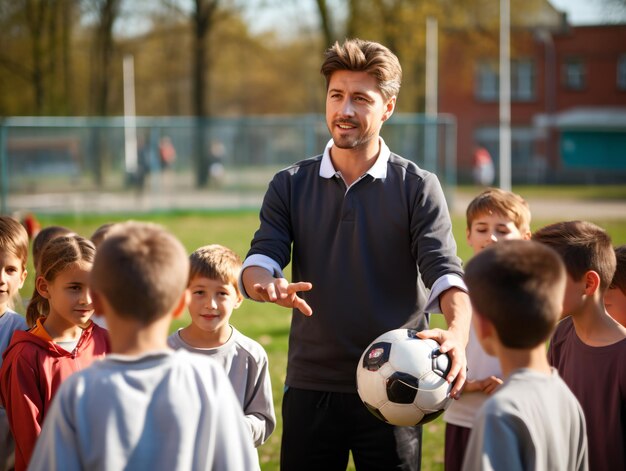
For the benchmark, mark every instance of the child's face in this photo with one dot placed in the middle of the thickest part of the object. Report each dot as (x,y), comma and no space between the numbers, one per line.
(68,294)
(212,303)
(487,229)
(615,304)
(12,278)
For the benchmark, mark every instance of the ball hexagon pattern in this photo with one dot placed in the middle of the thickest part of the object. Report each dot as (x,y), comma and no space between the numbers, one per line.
(401,378)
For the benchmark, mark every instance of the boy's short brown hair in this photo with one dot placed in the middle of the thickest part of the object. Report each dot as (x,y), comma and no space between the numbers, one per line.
(14,239)
(504,203)
(357,55)
(215,262)
(619,278)
(583,247)
(519,287)
(141,269)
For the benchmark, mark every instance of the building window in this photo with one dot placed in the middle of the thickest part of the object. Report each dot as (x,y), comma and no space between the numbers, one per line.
(522,80)
(487,83)
(574,74)
(621,72)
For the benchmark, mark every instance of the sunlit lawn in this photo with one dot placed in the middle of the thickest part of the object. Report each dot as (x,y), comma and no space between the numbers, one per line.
(267,323)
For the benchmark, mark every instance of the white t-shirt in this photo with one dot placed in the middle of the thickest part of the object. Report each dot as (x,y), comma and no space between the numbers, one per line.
(480,365)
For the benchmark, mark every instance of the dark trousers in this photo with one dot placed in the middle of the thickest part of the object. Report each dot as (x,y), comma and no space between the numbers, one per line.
(457,438)
(321,428)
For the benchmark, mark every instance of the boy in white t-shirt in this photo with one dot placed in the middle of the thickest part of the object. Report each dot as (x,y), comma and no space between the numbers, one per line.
(492,216)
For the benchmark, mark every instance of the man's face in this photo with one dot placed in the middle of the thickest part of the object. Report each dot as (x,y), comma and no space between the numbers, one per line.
(355,109)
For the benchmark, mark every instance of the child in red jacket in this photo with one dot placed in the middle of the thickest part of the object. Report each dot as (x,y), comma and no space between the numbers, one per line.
(62,341)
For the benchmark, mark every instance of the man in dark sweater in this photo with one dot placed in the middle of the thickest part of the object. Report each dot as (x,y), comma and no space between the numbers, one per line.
(369,235)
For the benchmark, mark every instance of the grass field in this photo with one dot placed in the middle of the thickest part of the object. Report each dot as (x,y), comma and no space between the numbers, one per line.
(267,323)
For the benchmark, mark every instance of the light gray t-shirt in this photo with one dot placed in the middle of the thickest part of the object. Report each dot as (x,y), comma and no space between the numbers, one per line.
(532,422)
(246,365)
(162,410)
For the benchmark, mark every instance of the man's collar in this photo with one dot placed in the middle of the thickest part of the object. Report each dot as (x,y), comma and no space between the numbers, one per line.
(378,170)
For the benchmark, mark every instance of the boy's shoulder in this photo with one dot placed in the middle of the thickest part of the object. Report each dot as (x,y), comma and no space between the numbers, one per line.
(525,389)
(11,319)
(564,330)
(147,366)
(254,348)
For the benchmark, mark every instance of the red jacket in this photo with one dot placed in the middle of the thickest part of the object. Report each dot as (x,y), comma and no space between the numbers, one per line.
(32,370)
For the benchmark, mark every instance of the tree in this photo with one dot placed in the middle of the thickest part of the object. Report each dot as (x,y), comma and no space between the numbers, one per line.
(37,51)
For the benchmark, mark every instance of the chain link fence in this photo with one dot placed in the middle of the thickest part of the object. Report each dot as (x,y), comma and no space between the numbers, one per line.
(79,165)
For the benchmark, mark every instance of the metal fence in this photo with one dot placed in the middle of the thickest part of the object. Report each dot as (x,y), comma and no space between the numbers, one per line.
(83,165)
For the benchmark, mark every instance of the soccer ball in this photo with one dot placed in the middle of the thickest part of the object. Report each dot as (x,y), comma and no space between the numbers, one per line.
(401,378)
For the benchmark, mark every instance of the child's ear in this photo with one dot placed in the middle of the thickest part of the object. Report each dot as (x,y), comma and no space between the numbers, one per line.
(592,282)
(181,305)
(23,278)
(527,235)
(41,284)
(239,301)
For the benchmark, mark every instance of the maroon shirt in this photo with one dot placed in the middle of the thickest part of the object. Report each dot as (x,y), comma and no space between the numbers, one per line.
(597,377)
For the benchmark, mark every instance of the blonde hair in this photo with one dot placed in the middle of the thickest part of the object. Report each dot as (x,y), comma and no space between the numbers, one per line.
(141,270)
(58,254)
(44,236)
(215,262)
(504,203)
(14,239)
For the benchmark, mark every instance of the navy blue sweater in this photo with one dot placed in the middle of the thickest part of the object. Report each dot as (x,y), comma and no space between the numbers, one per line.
(370,252)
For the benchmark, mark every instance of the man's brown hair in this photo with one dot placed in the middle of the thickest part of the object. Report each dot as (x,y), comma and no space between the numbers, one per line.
(583,247)
(141,269)
(215,262)
(357,55)
(518,286)
(504,203)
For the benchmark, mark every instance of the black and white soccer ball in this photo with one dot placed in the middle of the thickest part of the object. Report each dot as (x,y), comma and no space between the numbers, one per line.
(401,379)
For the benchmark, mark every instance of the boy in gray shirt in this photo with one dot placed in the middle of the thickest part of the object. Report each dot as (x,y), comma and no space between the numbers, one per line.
(144,406)
(214,294)
(533,421)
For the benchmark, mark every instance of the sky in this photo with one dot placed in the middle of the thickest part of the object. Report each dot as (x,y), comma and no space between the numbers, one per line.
(585,12)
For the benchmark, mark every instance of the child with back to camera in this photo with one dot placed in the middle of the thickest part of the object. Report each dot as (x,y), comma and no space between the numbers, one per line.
(144,406)
(62,341)
(533,421)
(492,216)
(615,296)
(589,346)
(13,259)
(214,294)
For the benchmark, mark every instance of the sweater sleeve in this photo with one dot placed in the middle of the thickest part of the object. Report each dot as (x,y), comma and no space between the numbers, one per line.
(24,404)
(432,241)
(274,236)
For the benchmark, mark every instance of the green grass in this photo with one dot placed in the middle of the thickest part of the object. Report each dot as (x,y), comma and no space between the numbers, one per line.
(268,323)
